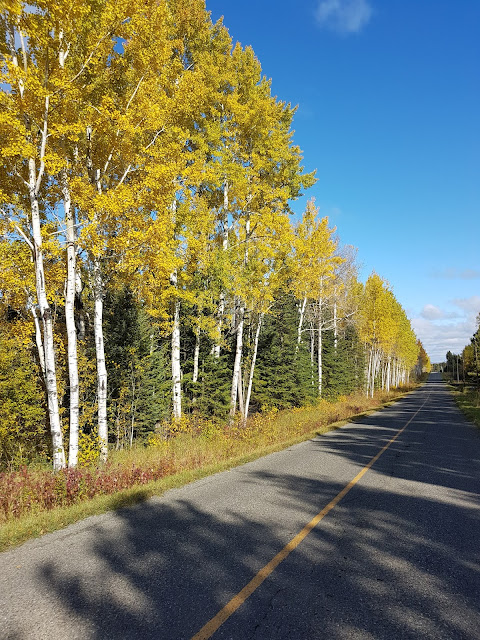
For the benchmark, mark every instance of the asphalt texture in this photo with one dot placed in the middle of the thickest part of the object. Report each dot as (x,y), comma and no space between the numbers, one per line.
(397,558)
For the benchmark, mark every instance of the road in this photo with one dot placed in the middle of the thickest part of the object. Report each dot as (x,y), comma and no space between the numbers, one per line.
(397,557)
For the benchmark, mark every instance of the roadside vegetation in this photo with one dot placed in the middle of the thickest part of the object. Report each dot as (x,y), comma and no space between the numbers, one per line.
(462,372)
(468,400)
(34,501)
(163,314)
(153,273)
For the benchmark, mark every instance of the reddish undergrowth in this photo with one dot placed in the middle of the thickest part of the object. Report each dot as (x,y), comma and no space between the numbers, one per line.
(26,491)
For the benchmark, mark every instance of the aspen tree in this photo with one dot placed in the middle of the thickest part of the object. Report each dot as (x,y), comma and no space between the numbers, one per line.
(370,328)
(312,283)
(134,153)
(271,176)
(203,51)
(389,339)
(31,96)
(267,275)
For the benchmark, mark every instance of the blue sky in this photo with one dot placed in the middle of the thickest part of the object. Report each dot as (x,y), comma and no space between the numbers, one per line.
(388,95)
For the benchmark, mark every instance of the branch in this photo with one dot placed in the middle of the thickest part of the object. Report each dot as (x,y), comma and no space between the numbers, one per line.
(27,184)
(134,93)
(84,66)
(19,230)
(162,130)
(108,161)
(55,233)
(24,53)
(26,238)
(127,171)
(43,145)
(118,133)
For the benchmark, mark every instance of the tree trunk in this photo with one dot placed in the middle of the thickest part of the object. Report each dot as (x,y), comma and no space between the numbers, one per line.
(335,329)
(100,355)
(241,403)
(312,352)
(196,355)
(252,369)
(319,348)
(46,317)
(39,341)
(376,368)
(221,303)
(300,321)
(176,370)
(132,413)
(238,360)
(79,310)
(70,324)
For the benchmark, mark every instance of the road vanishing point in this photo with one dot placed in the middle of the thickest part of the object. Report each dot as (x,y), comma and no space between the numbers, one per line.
(368,532)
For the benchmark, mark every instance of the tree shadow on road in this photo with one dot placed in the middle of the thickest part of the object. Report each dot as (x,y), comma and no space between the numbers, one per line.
(440,447)
(386,563)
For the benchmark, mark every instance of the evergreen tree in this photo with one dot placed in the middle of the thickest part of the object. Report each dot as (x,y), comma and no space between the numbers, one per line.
(154,389)
(138,368)
(210,396)
(284,371)
(343,363)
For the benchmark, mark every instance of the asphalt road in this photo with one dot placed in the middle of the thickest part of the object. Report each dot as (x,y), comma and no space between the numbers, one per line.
(398,556)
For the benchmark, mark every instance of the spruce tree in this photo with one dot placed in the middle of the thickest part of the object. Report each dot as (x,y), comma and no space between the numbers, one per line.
(283,375)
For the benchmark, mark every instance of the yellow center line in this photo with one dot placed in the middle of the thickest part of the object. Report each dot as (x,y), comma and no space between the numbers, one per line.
(222,616)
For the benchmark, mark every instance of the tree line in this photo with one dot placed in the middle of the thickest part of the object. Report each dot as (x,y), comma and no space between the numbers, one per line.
(465,366)
(151,267)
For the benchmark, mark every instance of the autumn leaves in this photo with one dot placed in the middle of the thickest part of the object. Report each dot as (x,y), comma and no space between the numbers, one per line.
(141,149)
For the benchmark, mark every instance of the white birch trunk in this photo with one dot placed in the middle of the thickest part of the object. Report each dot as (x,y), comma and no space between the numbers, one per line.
(300,322)
(252,369)
(367,372)
(376,369)
(80,313)
(196,355)
(132,414)
(374,372)
(44,307)
(335,329)
(39,341)
(176,370)
(100,355)
(238,361)
(221,303)
(240,390)
(70,324)
(319,348)
(312,352)
(70,305)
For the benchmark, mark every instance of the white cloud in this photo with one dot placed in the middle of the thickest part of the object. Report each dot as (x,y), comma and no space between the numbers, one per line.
(470,305)
(457,274)
(440,337)
(431,312)
(343,16)
(441,331)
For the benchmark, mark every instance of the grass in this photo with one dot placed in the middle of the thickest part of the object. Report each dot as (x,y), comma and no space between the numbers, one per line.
(44,503)
(468,400)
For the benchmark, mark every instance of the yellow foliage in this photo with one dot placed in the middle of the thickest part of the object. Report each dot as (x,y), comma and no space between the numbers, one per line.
(89,448)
